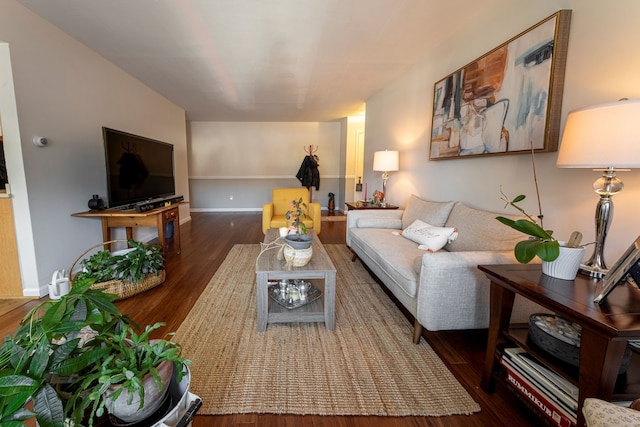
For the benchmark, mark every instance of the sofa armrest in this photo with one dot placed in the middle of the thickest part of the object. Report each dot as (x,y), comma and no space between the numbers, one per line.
(373,218)
(453,293)
(267,214)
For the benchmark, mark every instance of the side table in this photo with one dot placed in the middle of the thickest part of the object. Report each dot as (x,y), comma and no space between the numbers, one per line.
(359,205)
(606,328)
(114,218)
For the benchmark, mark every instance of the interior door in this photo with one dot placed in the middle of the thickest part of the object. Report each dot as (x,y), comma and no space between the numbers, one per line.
(10,279)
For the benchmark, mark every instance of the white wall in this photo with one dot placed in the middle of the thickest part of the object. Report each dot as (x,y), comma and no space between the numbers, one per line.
(66,93)
(602,66)
(245,160)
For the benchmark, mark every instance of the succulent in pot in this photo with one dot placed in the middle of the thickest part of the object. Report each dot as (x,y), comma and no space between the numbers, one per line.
(297,216)
(300,239)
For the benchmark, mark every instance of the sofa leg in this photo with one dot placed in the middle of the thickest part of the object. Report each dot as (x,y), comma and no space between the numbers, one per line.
(354,256)
(417,332)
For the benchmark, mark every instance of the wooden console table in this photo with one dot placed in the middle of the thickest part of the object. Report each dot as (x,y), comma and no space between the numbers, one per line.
(606,328)
(113,218)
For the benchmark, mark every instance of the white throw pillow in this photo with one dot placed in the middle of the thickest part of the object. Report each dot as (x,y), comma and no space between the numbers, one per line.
(429,237)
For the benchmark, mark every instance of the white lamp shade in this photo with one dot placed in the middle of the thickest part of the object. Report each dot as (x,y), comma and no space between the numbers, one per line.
(385,161)
(602,136)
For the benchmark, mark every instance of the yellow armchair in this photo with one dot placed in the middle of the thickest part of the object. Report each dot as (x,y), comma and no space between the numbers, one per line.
(273,213)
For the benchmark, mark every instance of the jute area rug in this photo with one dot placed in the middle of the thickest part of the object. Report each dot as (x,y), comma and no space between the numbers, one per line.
(366,366)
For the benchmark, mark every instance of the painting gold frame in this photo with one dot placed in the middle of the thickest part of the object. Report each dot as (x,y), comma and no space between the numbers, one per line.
(508,101)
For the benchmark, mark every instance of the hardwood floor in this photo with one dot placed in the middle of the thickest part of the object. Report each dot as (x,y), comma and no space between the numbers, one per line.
(205,242)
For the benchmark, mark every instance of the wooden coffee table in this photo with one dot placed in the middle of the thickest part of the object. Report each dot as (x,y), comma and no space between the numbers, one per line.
(320,271)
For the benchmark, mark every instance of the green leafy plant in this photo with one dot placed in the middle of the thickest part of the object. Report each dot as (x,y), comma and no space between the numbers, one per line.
(64,354)
(297,214)
(130,358)
(131,265)
(542,243)
(48,345)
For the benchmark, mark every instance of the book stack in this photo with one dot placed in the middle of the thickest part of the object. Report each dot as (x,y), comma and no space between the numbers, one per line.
(549,393)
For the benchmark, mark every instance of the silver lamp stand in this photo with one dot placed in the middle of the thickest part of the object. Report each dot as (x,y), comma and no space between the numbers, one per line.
(385,178)
(606,186)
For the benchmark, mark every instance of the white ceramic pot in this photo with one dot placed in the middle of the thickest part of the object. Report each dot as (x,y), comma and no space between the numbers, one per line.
(566,265)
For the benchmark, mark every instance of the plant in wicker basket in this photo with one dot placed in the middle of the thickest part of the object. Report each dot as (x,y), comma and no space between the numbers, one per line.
(131,265)
(124,273)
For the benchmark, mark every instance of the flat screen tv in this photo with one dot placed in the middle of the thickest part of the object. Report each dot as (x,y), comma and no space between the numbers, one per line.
(138,168)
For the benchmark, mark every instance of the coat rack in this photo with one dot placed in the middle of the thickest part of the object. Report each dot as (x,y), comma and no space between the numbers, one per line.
(311,150)
(303,173)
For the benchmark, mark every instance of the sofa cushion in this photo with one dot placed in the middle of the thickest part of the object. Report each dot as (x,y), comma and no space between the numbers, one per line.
(429,237)
(391,253)
(481,231)
(375,222)
(434,213)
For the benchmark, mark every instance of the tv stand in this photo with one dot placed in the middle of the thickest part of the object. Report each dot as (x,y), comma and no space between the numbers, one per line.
(114,218)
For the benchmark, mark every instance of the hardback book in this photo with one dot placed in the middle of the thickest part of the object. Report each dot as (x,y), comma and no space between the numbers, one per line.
(554,384)
(549,407)
(565,403)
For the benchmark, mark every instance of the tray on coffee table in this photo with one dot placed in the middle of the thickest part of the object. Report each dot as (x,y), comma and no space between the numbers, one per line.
(291,299)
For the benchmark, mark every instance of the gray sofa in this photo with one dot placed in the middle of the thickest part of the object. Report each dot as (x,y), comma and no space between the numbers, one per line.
(443,290)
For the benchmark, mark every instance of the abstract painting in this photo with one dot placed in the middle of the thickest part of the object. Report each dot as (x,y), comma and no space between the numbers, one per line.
(508,101)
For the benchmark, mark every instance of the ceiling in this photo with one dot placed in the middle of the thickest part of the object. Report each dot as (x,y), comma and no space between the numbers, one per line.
(261,60)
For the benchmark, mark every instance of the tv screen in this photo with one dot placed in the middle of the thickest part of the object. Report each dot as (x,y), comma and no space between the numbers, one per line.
(138,168)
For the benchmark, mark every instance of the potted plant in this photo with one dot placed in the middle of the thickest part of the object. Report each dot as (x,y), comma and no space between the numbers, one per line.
(131,381)
(559,259)
(542,243)
(299,239)
(65,352)
(123,273)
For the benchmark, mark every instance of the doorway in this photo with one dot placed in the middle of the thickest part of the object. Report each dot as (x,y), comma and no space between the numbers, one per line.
(10,280)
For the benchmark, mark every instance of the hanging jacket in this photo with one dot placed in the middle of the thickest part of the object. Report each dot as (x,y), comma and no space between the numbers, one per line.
(308,174)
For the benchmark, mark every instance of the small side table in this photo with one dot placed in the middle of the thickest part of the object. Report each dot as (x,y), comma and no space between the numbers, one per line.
(359,205)
(606,328)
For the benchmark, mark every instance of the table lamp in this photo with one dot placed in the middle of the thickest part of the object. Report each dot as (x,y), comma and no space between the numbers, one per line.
(385,161)
(603,137)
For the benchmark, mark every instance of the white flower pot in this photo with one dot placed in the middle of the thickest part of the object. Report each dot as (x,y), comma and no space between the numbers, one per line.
(566,265)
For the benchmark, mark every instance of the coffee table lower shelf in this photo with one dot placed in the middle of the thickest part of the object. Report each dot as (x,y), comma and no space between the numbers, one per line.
(310,312)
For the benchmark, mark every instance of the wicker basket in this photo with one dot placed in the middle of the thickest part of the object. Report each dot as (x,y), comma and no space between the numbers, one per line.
(121,288)
(297,257)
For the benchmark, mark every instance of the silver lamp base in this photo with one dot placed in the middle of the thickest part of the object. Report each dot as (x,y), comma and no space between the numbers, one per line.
(592,271)
(606,186)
